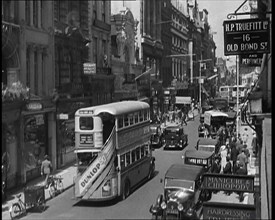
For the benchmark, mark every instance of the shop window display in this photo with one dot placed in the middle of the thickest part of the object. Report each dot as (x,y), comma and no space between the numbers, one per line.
(35,137)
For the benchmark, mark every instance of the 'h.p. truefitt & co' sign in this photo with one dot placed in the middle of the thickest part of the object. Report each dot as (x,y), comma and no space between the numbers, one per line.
(246,36)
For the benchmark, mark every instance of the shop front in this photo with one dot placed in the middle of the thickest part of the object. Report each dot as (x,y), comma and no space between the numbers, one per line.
(38,137)
(66,109)
(11,143)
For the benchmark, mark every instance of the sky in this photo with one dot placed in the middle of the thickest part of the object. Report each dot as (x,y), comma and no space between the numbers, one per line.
(217,13)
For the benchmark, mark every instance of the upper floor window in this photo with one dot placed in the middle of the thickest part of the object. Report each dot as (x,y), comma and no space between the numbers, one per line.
(103,10)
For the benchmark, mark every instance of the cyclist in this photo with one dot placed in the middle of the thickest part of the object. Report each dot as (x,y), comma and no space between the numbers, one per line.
(46,168)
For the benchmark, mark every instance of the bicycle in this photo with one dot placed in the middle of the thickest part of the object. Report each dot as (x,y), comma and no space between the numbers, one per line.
(34,197)
(55,185)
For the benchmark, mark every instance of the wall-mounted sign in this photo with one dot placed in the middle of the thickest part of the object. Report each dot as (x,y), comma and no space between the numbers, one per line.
(225,182)
(62,116)
(218,210)
(251,59)
(32,106)
(89,68)
(248,36)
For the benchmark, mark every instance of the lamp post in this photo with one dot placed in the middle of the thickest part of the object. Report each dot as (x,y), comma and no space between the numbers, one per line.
(200,82)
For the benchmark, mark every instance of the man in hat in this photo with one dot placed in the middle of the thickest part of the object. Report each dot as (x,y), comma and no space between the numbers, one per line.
(46,168)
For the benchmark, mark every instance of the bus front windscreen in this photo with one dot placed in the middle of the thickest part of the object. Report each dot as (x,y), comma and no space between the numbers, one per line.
(86,123)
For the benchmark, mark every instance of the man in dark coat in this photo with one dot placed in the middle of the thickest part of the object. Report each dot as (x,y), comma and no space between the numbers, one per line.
(228,167)
(216,167)
(234,156)
(241,171)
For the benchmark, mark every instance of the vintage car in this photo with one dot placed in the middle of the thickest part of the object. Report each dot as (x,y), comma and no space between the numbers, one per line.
(156,136)
(183,194)
(209,145)
(174,137)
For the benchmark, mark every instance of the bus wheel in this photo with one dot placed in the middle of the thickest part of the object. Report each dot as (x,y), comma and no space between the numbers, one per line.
(126,190)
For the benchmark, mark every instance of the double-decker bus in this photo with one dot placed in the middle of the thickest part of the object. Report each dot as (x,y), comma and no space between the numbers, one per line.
(226,92)
(242,92)
(112,144)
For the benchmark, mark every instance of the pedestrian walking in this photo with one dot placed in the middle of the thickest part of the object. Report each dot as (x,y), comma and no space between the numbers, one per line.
(254,144)
(234,155)
(46,168)
(223,154)
(216,167)
(227,170)
(243,158)
(241,171)
(245,136)
(183,118)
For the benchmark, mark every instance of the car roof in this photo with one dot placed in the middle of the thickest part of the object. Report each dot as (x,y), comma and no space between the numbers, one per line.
(184,171)
(207,141)
(198,154)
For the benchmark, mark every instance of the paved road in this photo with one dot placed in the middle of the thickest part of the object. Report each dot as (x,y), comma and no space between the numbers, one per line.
(136,206)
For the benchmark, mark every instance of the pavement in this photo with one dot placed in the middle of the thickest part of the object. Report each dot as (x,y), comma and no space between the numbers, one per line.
(67,173)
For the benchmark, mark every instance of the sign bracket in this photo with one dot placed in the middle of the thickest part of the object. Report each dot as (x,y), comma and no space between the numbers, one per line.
(232,15)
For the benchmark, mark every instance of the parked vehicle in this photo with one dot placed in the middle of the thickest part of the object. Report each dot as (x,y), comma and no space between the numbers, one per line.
(213,120)
(183,194)
(174,138)
(208,145)
(199,158)
(156,136)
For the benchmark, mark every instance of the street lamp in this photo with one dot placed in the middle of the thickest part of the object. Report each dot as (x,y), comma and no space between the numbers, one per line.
(200,80)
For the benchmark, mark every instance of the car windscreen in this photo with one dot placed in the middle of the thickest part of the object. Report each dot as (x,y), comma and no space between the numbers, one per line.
(177,183)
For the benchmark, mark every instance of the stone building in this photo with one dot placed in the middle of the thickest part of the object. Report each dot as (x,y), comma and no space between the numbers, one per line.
(83,75)
(126,62)
(28,115)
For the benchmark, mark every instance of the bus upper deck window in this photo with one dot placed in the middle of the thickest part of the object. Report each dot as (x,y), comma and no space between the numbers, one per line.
(86,123)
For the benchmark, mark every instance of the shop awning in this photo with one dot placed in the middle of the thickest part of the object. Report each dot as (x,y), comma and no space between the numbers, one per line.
(183,100)
(204,90)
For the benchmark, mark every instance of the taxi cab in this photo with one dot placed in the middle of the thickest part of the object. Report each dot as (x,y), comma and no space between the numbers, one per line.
(174,137)
(199,158)
(183,194)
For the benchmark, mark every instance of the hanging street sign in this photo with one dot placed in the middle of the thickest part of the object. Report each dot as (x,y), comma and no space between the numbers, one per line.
(246,36)
(226,182)
(218,210)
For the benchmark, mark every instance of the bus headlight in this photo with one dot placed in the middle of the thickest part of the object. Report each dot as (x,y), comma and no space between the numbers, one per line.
(163,205)
(180,207)
(106,189)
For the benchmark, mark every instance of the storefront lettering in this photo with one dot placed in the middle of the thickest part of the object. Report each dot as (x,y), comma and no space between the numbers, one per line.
(227,183)
(34,106)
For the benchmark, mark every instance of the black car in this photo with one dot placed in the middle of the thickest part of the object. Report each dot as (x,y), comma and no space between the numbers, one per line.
(183,193)
(156,136)
(174,138)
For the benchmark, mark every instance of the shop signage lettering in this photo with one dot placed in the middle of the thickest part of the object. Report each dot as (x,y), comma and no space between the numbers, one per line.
(228,182)
(89,68)
(226,211)
(247,36)
(34,106)
(251,59)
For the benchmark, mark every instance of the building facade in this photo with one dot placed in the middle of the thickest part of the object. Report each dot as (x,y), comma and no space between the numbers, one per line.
(126,62)
(82,38)
(28,120)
